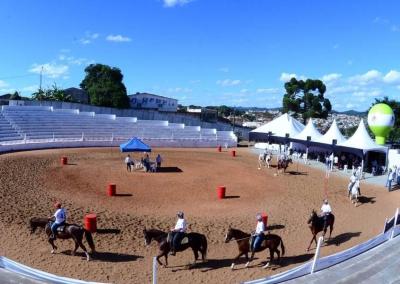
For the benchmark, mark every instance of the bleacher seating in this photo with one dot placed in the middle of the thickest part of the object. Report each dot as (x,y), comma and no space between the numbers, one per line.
(45,124)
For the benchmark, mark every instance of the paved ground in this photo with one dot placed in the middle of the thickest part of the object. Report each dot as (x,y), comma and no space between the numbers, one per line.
(378,265)
(7,277)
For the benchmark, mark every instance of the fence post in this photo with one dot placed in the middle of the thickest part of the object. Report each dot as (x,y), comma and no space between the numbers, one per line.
(394,225)
(25,138)
(384,227)
(316,256)
(82,136)
(154,270)
(54,139)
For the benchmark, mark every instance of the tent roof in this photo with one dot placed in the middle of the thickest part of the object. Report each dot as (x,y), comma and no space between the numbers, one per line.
(281,125)
(309,130)
(134,145)
(362,140)
(332,133)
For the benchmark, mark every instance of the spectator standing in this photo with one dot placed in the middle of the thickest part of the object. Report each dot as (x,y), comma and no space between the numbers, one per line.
(158,161)
(390,180)
(128,162)
(398,175)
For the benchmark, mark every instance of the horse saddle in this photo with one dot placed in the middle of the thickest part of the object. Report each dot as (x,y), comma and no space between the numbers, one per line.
(184,241)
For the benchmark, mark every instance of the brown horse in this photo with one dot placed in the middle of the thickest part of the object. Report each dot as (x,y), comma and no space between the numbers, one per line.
(71,231)
(316,224)
(197,242)
(284,164)
(271,242)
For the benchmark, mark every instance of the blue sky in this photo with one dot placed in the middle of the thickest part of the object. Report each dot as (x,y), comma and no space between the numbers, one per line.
(207,52)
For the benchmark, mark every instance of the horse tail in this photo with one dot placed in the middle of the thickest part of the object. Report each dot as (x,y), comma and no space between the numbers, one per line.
(89,239)
(204,246)
(282,247)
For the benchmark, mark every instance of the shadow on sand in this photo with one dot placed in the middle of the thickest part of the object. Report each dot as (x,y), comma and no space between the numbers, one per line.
(108,231)
(169,170)
(122,194)
(342,238)
(107,256)
(296,173)
(366,199)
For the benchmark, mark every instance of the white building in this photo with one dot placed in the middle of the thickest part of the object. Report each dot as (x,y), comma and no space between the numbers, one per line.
(150,101)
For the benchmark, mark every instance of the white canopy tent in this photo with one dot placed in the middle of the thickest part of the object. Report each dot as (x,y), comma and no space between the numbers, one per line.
(361,140)
(279,127)
(309,131)
(332,134)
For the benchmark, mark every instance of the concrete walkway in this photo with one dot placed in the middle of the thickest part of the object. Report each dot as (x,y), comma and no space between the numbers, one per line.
(378,265)
(7,277)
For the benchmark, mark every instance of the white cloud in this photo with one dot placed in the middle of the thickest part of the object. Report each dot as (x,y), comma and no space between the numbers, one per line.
(118,38)
(244,90)
(224,69)
(329,78)
(269,91)
(172,3)
(369,77)
(179,90)
(3,84)
(30,89)
(51,70)
(89,38)
(349,105)
(285,77)
(392,77)
(228,82)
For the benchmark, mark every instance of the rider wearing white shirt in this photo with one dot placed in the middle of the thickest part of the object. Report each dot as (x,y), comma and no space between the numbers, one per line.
(60,217)
(178,232)
(326,211)
(352,183)
(259,233)
(128,162)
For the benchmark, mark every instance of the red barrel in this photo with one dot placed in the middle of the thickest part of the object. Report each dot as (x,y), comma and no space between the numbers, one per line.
(233,153)
(111,189)
(91,222)
(221,192)
(64,160)
(264,217)
(219,148)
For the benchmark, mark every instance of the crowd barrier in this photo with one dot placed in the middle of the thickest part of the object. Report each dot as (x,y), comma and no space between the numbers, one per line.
(36,274)
(391,230)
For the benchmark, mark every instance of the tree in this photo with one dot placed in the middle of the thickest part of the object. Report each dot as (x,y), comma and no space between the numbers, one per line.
(104,86)
(394,134)
(53,94)
(15,96)
(306,99)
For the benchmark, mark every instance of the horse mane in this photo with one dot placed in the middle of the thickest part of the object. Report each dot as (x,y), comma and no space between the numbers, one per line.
(243,234)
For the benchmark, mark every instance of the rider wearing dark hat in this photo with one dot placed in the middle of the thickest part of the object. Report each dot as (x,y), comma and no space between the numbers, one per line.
(178,232)
(59,219)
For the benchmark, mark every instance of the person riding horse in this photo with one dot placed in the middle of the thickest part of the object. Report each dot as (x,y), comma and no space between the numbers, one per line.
(326,211)
(59,217)
(178,233)
(258,235)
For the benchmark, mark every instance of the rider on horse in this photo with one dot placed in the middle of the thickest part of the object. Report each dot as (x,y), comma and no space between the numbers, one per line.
(326,211)
(60,217)
(178,233)
(258,235)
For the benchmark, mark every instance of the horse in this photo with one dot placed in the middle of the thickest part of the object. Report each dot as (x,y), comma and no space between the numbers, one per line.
(264,160)
(316,224)
(271,241)
(354,192)
(283,164)
(71,231)
(197,242)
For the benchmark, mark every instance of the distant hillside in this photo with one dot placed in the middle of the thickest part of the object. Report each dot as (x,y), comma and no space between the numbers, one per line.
(351,112)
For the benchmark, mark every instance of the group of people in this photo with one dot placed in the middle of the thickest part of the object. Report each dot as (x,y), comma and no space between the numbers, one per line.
(393,177)
(145,162)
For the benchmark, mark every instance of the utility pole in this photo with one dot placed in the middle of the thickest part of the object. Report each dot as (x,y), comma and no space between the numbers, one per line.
(41,75)
(233,128)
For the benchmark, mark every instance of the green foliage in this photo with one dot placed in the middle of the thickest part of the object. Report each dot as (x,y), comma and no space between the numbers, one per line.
(104,86)
(394,134)
(15,96)
(53,94)
(306,99)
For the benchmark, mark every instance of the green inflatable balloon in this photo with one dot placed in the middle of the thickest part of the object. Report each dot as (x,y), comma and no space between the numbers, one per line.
(380,121)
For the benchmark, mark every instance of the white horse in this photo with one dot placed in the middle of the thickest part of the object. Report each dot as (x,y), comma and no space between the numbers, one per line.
(354,192)
(264,159)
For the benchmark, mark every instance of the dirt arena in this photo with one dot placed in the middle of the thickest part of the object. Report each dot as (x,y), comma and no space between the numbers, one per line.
(30,182)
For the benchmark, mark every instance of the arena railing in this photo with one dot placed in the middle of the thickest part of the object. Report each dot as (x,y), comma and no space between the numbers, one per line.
(390,231)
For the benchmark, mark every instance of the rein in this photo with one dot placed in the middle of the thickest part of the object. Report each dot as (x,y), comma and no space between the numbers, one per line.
(240,239)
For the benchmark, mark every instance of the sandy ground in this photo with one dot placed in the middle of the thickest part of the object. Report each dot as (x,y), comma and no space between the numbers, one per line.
(30,182)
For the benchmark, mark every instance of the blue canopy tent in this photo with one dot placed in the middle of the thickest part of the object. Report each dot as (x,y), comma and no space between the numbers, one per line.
(134,145)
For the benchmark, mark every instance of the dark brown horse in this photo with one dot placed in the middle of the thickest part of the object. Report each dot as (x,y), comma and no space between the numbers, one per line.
(283,164)
(71,231)
(197,242)
(271,242)
(316,224)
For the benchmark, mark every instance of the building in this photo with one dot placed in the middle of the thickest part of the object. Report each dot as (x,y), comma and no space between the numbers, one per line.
(77,95)
(151,101)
